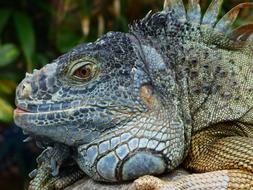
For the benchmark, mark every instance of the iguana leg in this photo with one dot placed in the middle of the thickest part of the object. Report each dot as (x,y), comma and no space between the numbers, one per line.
(45,181)
(49,175)
(67,178)
(218,180)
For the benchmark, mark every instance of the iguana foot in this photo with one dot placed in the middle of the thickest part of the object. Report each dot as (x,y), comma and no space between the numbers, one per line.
(44,180)
(50,174)
(53,157)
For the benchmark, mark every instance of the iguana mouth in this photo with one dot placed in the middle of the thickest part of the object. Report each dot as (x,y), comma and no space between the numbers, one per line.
(21,110)
(45,108)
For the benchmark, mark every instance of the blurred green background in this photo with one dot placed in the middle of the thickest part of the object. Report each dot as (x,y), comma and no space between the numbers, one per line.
(33,33)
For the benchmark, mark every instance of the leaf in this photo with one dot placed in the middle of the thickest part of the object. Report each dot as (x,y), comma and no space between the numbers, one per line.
(6,111)
(26,36)
(66,39)
(8,54)
(4,16)
(15,75)
(120,23)
(7,86)
(42,59)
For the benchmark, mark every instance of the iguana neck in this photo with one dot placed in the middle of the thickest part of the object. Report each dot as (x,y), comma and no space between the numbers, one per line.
(208,68)
(162,77)
(207,74)
(217,90)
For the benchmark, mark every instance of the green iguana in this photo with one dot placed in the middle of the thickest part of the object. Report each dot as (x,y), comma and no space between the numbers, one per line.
(177,90)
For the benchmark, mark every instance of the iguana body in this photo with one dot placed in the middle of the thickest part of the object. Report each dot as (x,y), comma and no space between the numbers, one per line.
(176,90)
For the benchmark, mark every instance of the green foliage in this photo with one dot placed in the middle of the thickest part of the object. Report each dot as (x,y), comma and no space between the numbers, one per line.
(4,15)
(5,111)
(8,54)
(25,34)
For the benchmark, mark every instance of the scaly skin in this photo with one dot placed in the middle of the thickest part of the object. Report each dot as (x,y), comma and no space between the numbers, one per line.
(175,90)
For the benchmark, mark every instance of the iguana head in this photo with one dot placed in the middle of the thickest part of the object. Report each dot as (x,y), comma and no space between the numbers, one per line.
(83,93)
(122,86)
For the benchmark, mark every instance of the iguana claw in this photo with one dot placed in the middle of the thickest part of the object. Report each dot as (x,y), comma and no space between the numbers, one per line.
(55,167)
(45,179)
(33,173)
(49,162)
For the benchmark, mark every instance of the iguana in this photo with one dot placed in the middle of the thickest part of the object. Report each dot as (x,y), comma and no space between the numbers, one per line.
(176,90)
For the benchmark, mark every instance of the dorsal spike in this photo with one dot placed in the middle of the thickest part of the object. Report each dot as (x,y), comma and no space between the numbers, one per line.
(212,12)
(242,33)
(226,22)
(177,6)
(148,15)
(194,11)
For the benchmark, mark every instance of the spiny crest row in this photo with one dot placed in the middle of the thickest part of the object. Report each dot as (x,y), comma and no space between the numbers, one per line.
(193,14)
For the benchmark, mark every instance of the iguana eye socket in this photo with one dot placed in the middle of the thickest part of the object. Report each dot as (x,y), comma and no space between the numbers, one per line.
(83,71)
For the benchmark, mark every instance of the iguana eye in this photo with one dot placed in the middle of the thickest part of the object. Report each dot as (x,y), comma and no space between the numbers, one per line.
(83,71)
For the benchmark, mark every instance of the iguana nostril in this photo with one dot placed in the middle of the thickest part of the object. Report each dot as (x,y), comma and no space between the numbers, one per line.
(26,90)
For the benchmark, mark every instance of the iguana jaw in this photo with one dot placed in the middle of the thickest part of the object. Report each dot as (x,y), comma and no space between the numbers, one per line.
(19,111)
(70,126)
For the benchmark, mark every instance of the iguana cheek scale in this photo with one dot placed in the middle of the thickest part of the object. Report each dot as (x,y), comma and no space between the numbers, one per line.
(174,91)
